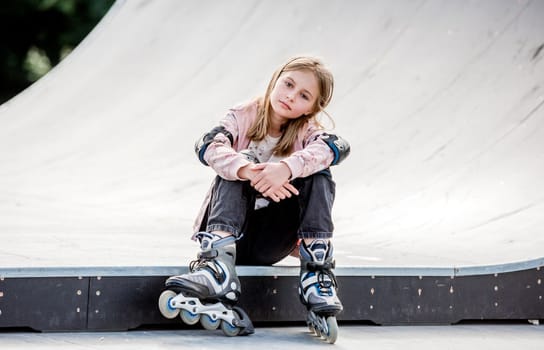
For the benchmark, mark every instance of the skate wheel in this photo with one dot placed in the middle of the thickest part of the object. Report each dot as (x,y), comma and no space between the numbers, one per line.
(189,318)
(165,307)
(332,333)
(209,323)
(230,330)
(314,328)
(317,332)
(246,327)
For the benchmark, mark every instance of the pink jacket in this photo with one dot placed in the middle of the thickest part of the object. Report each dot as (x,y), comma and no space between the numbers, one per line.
(310,154)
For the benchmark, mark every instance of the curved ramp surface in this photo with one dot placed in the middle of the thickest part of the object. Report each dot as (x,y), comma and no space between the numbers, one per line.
(442,102)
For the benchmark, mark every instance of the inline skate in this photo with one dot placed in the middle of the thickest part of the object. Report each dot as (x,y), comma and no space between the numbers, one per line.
(318,288)
(209,291)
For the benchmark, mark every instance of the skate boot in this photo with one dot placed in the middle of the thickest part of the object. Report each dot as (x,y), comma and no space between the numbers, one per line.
(210,290)
(318,288)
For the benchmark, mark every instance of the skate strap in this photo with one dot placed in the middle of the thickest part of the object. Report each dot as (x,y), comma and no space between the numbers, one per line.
(213,241)
(208,254)
(224,242)
(326,266)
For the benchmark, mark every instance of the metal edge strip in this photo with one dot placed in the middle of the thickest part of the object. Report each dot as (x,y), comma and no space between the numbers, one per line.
(132,271)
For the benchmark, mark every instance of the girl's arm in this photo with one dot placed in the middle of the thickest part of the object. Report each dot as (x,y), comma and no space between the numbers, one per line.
(220,154)
(314,157)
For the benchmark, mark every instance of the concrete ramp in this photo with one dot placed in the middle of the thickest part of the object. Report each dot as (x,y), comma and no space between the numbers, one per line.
(442,102)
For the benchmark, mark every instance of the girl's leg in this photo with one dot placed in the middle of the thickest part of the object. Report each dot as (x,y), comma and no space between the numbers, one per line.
(213,274)
(316,199)
(270,234)
(229,206)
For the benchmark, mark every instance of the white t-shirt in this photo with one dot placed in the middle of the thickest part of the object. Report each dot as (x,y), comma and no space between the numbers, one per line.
(263,149)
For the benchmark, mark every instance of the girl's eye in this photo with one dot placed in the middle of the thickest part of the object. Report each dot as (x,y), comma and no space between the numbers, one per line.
(304,96)
(288,84)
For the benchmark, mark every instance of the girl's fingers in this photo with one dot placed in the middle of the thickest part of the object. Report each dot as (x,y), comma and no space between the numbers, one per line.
(285,192)
(292,189)
(278,195)
(263,188)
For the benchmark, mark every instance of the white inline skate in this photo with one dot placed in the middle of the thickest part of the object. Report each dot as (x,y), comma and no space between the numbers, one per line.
(209,291)
(318,289)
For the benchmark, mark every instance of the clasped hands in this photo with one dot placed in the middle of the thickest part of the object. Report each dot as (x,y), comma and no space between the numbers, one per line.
(270,179)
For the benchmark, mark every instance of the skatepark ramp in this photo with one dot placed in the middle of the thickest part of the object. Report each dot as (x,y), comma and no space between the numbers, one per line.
(441,101)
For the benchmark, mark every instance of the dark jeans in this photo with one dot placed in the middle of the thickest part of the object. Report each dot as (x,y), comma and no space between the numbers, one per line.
(267,235)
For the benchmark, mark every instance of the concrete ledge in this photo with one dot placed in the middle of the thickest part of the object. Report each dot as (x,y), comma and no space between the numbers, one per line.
(114,271)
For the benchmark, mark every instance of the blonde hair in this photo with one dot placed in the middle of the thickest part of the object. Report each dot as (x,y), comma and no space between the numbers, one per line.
(261,126)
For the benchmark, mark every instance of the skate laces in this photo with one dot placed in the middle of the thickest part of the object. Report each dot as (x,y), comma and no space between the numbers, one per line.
(321,266)
(205,260)
(326,280)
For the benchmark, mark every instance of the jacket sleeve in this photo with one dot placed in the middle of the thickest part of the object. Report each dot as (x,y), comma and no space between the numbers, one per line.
(315,156)
(221,154)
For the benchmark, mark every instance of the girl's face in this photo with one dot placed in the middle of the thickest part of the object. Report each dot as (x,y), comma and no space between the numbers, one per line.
(294,94)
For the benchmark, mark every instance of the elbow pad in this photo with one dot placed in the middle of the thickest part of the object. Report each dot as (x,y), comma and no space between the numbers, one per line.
(339,146)
(201,145)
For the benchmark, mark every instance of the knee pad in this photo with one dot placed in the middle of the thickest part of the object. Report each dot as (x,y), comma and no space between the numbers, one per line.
(339,146)
(202,143)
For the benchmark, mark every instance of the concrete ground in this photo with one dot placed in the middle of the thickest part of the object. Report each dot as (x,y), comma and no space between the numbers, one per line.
(466,337)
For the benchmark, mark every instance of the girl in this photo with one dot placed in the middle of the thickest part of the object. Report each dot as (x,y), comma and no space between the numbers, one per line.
(273,190)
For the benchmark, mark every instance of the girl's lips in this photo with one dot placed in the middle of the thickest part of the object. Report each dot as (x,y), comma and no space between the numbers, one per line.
(285,105)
